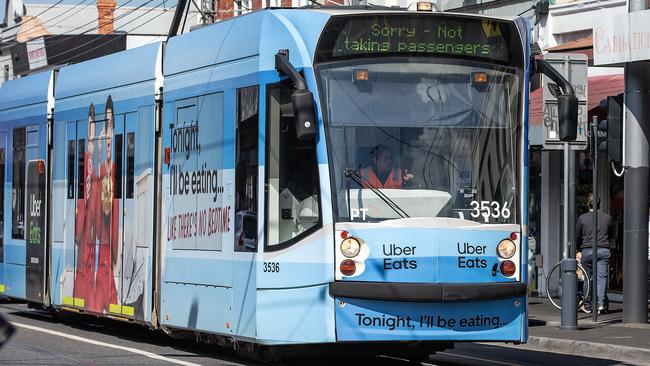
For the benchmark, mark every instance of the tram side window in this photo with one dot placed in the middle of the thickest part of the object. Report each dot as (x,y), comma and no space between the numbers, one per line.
(2,203)
(81,167)
(130,164)
(246,169)
(71,169)
(292,185)
(117,180)
(18,185)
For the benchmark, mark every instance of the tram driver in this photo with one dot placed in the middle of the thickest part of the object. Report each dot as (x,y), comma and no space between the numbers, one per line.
(381,173)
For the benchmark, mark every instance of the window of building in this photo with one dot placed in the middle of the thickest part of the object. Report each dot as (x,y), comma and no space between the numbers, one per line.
(292,186)
(273,3)
(18,185)
(299,3)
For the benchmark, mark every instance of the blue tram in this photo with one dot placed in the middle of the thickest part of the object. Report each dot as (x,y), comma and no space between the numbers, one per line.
(287,177)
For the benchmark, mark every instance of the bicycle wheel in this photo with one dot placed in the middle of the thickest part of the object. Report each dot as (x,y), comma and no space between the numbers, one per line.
(586,285)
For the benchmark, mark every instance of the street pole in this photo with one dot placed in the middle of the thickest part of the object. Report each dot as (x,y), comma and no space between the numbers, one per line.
(637,179)
(569,318)
(572,205)
(594,205)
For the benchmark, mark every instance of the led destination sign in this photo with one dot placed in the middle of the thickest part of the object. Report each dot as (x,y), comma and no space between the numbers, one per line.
(362,36)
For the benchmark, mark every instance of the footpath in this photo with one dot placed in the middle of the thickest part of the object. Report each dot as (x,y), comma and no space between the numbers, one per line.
(608,338)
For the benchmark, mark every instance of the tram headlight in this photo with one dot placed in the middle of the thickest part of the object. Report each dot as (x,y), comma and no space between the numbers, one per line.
(506,249)
(350,247)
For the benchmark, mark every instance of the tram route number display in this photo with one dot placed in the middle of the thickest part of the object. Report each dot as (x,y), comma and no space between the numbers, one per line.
(418,35)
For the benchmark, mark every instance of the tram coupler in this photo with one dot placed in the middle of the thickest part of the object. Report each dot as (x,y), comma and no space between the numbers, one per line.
(569,320)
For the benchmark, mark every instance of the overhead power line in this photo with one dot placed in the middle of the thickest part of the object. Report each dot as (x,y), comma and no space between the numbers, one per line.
(113,39)
(59,41)
(60,15)
(34,17)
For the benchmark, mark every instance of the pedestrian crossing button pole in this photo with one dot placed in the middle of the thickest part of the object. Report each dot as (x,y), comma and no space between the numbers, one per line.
(567,106)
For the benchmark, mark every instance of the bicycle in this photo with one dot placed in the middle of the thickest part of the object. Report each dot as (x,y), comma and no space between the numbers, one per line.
(582,278)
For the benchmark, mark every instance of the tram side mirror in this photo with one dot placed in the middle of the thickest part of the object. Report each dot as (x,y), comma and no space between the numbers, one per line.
(304,114)
(568,117)
(301,98)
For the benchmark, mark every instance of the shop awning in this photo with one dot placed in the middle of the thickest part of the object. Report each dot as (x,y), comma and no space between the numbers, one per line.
(582,45)
(599,88)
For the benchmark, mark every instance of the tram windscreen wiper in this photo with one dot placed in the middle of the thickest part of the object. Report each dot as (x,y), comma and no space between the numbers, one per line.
(360,180)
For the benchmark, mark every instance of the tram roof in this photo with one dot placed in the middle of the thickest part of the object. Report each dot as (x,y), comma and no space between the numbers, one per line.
(128,67)
(25,91)
(262,33)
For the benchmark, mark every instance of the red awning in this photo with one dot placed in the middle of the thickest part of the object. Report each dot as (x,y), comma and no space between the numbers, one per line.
(599,88)
(582,45)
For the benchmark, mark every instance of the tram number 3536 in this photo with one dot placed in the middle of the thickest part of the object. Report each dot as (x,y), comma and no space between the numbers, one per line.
(272,267)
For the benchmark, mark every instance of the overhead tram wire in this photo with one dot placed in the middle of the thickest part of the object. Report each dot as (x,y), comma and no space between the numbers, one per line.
(106,35)
(33,17)
(97,27)
(116,38)
(59,41)
(93,21)
(198,8)
(59,15)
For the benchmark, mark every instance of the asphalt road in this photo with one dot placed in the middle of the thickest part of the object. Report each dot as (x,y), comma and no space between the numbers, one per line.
(42,340)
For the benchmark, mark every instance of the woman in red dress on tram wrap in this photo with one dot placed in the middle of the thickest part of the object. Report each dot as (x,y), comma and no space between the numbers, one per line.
(85,221)
(108,222)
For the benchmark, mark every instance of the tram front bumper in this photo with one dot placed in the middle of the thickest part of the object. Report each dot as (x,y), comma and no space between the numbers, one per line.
(427,292)
(367,311)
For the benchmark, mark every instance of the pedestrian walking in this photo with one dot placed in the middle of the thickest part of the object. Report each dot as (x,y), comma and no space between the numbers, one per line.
(585,244)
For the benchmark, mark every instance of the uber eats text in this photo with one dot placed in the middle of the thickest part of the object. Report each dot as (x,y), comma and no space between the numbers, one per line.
(395,257)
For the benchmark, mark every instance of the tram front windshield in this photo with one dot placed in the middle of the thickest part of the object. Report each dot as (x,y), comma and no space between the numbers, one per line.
(423,137)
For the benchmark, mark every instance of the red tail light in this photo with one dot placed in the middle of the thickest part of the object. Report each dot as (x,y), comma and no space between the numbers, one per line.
(348,267)
(508,268)
(513,236)
(344,234)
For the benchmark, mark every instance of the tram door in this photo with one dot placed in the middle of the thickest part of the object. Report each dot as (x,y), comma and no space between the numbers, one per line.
(34,218)
(81,185)
(131,264)
(3,162)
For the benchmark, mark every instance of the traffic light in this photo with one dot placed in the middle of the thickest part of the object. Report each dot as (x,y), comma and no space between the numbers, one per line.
(610,131)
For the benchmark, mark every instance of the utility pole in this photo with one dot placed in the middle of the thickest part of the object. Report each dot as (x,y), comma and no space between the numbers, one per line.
(637,179)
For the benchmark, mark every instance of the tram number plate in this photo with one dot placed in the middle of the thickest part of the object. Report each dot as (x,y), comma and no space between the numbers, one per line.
(271,267)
